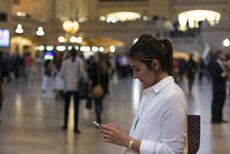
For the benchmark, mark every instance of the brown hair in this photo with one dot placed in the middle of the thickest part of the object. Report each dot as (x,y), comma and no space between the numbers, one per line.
(148,48)
(73,54)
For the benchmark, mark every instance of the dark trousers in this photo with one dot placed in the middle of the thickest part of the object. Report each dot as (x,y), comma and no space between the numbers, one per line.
(190,82)
(218,105)
(67,98)
(0,105)
(1,95)
(98,108)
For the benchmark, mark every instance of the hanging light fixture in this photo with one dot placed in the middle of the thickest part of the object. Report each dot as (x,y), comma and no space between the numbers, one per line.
(40,31)
(70,27)
(19,29)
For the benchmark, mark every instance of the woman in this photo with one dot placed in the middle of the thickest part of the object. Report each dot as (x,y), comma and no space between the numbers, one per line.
(47,75)
(98,74)
(160,124)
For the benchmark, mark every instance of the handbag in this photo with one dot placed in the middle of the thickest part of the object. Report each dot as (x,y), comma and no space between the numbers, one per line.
(88,103)
(83,90)
(59,83)
(193,133)
(98,91)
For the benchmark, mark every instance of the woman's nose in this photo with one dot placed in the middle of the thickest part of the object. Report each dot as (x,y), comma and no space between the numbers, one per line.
(135,76)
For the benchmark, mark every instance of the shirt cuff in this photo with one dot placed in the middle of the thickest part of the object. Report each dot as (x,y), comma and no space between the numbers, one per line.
(147,147)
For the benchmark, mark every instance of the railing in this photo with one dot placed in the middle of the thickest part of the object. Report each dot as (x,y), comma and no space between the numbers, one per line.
(91,26)
(28,20)
(122,0)
(197,1)
(29,25)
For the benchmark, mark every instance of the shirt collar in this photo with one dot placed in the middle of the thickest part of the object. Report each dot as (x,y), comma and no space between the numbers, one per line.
(219,61)
(221,64)
(161,84)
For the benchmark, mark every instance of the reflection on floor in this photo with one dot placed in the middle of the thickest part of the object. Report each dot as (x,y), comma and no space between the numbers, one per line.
(31,120)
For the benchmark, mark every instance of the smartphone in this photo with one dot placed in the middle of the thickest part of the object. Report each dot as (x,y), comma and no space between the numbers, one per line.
(96,124)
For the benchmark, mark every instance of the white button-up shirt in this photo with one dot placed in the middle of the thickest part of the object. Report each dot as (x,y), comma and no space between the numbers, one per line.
(72,72)
(161,121)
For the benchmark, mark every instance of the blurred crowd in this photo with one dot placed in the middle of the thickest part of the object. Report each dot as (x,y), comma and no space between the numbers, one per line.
(15,66)
(62,75)
(59,75)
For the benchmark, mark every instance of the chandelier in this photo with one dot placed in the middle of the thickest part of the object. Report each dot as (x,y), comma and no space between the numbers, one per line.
(70,26)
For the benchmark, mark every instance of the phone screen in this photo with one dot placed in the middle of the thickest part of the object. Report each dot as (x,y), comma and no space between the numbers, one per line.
(96,124)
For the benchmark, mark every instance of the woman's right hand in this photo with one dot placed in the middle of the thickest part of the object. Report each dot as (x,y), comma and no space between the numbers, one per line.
(115,135)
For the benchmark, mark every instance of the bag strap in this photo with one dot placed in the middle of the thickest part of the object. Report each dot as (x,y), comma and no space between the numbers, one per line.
(79,72)
(98,73)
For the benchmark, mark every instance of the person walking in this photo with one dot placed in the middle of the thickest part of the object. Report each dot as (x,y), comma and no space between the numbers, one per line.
(72,71)
(98,75)
(47,81)
(191,69)
(160,125)
(28,62)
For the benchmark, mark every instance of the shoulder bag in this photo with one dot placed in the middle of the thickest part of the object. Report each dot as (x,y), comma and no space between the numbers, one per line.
(98,91)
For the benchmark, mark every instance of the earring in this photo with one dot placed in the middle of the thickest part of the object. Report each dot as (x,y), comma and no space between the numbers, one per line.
(154,66)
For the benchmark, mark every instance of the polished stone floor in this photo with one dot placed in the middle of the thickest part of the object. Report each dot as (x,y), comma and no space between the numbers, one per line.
(31,121)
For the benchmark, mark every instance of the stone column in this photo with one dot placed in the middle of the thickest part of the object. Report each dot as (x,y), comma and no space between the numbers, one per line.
(83,7)
(93,10)
(228,9)
(51,24)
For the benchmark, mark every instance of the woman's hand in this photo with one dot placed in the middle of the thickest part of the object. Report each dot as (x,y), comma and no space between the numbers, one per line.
(115,135)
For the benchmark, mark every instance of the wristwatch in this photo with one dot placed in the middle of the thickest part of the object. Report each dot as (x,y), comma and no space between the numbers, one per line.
(131,143)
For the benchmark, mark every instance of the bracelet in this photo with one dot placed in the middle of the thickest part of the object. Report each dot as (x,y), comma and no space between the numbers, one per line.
(131,143)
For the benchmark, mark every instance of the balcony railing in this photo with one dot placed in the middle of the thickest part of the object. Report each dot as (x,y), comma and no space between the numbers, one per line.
(28,20)
(199,1)
(122,0)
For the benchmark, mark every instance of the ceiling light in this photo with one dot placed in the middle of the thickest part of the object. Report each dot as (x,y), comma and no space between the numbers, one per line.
(122,16)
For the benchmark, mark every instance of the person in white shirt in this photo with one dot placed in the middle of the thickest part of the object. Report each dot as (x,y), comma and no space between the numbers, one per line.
(72,71)
(160,125)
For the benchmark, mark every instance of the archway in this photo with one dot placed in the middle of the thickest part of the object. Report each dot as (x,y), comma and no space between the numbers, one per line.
(21,45)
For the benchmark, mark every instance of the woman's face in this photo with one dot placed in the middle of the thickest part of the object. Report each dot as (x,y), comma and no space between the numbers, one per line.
(141,72)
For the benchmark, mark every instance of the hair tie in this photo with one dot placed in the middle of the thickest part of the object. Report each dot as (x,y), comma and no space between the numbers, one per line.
(162,43)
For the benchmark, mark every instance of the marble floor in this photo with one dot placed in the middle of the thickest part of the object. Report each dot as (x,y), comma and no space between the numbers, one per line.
(31,121)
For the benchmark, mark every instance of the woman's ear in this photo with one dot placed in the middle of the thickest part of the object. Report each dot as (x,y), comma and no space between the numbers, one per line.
(155,65)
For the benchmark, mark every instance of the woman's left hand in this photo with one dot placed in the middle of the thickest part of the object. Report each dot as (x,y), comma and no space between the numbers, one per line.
(114,134)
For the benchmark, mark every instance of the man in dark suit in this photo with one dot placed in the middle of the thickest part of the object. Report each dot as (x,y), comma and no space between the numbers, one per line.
(1,81)
(219,77)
